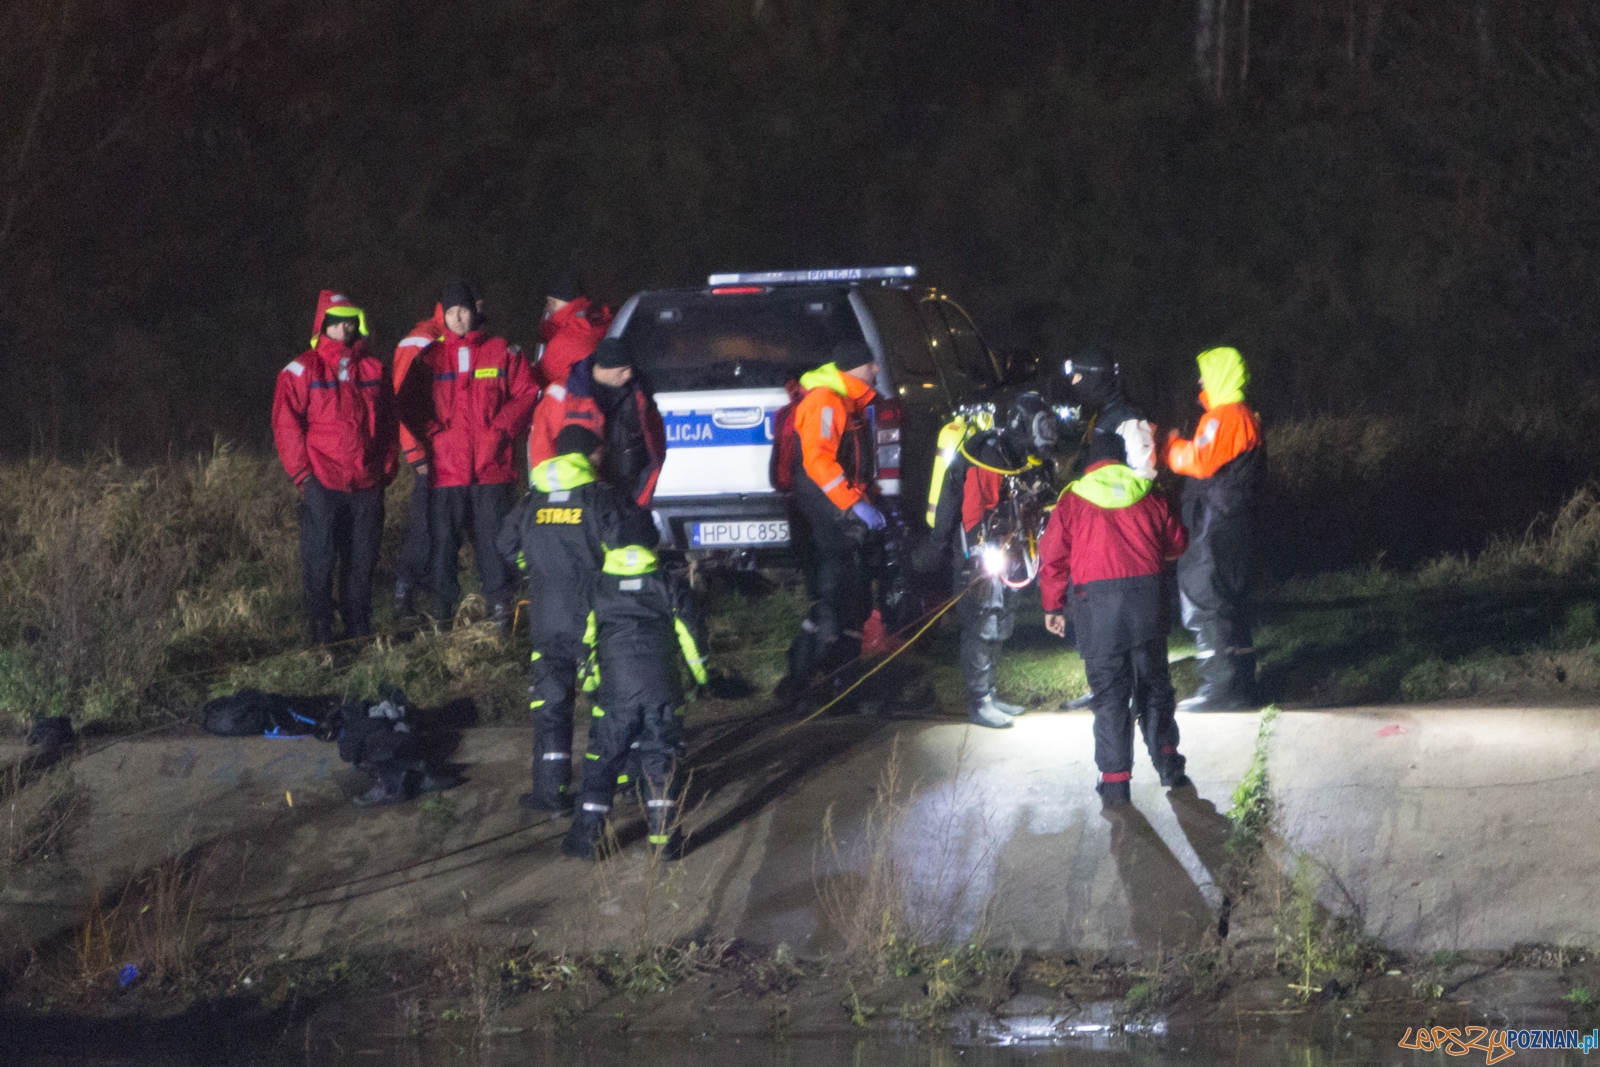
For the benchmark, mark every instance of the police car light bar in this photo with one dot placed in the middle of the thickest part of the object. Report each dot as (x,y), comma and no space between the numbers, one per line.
(792,277)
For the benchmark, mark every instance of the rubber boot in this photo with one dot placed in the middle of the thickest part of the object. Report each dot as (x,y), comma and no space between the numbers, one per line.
(1078,703)
(666,841)
(984,713)
(1113,795)
(1171,771)
(1220,685)
(1012,710)
(583,837)
(552,775)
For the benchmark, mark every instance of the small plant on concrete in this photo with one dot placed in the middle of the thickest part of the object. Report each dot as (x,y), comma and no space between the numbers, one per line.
(1251,809)
(1580,996)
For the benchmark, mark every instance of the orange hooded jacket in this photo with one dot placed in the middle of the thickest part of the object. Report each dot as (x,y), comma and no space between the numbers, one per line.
(832,399)
(1228,429)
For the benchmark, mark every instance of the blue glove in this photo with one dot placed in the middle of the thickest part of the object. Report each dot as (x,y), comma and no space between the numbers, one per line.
(868,514)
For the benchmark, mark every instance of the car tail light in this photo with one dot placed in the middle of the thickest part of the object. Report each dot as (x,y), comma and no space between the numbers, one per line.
(886,421)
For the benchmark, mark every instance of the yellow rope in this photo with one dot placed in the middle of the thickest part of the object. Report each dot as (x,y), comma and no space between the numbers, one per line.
(885,661)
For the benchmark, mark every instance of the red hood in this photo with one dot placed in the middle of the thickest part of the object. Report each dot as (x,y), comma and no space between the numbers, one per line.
(570,316)
(326,300)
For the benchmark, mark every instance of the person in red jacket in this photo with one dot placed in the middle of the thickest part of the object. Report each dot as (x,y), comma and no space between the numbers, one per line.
(333,419)
(469,397)
(604,393)
(573,325)
(411,570)
(1104,549)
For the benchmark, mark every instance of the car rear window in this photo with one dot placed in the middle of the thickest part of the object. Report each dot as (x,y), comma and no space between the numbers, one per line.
(695,341)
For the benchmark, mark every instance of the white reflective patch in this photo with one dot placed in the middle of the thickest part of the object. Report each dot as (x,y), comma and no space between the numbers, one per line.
(631,585)
(661,803)
(1208,433)
(557,392)
(414,342)
(296,368)
(595,807)
(1139,441)
(827,423)
(463,359)
(889,486)
(556,755)
(561,496)
(344,368)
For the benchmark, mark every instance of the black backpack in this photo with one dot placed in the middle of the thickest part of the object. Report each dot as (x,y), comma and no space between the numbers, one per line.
(252,713)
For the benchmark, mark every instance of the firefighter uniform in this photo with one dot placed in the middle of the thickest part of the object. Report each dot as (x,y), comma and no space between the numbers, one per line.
(831,470)
(964,506)
(557,536)
(470,398)
(640,619)
(1104,550)
(333,420)
(1223,467)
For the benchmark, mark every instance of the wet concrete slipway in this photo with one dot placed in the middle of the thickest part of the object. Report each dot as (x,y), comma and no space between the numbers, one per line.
(1449,828)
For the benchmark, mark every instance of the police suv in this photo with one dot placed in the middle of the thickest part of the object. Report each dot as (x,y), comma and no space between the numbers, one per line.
(718,359)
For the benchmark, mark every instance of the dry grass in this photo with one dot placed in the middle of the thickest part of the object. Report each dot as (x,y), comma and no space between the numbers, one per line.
(130,595)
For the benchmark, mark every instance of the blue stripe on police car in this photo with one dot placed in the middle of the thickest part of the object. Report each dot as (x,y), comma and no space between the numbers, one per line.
(705,429)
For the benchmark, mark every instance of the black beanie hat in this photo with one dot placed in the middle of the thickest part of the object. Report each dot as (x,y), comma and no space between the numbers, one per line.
(567,287)
(638,528)
(458,294)
(611,354)
(579,439)
(848,355)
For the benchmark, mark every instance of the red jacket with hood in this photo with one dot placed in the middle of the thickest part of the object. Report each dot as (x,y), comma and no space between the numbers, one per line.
(333,413)
(1085,542)
(410,347)
(469,398)
(569,335)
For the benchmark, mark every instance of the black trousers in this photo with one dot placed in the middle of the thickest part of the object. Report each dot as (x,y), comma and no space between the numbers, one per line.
(454,513)
(340,531)
(830,634)
(988,614)
(1214,595)
(658,730)
(412,569)
(552,695)
(1129,686)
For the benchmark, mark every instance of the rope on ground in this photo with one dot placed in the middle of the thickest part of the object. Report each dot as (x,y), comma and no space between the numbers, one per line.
(937,615)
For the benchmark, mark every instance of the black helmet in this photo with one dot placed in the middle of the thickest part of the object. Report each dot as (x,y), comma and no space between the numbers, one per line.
(1030,419)
(1097,378)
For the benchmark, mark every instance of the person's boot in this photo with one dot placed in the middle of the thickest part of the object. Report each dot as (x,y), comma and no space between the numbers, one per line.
(983,712)
(404,594)
(583,837)
(1082,703)
(1219,686)
(1113,795)
(551,778)
(1170,768)
(321,632)
(666,841)
(1004,708)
